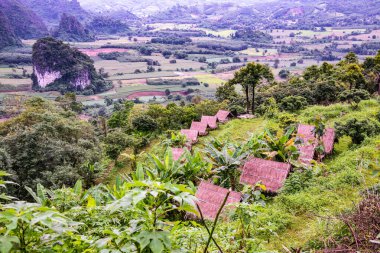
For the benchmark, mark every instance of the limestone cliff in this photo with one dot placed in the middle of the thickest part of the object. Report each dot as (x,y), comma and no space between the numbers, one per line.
(57,66)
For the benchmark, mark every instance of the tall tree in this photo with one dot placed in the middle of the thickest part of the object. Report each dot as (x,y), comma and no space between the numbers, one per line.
(46,145)
(249,77)
(371,68)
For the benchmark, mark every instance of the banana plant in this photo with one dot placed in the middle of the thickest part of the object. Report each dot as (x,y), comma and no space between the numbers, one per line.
(279,147)
(226,162)
(3,185)
(42,196)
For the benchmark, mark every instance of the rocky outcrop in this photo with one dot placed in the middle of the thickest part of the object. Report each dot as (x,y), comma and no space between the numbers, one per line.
(45,77)
(57,66)
(70,29)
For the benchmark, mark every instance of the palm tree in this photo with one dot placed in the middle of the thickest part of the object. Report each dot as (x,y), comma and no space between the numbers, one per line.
(249,77)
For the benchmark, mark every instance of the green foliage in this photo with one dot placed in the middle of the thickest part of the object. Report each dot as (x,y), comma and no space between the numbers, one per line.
(8,37)
(144,123)
(358,130)
(116,142)
(279,147)
(343,144)
(106,25)
(26,225)
(252,36)
(121,115)
(293,103)
(226,160)
(47,145)
(269,108)
(69,102)
(354,95)
(249,77)
(286,120)
(190,170)
(298,181)
(3,184)
(176,140)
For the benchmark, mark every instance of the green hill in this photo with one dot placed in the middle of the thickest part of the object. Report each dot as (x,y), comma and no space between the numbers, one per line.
(25,23)
(8,37)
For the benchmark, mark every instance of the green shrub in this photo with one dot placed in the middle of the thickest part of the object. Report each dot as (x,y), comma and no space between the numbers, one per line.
(293,103)
(343,144)
(297,181)
(355,95)
(287,119)
(144,123)
(269,108)
(349,176)
(358,130)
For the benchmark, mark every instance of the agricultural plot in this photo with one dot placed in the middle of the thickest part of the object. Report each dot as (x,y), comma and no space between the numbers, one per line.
(219,33)
(171,26)
(259,51)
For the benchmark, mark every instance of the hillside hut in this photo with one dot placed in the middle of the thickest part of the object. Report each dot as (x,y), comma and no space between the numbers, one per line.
(223,116)
(305,132)
(191,135)
(211,121)
(177,153)
(271,174)
(307,149)
(201,127)
(328,140)
(210,198)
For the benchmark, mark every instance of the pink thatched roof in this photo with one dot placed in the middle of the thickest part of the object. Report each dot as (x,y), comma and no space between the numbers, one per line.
(177,153)
(191,135)
(271,174)
(210,198)
(328,140)
(201,127)
(222,115)
(305,132)
(306,153)
(211,121)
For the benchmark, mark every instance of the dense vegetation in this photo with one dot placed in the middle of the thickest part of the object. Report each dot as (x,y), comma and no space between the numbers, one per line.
(51,11)
(24,22)
(105,25)
(8,37)
(99,173)
(146,199)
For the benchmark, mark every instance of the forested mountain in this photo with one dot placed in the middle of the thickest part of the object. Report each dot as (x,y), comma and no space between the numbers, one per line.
(8,37)
(70,29)
(277,14)
(24,22)
(106,25)
(51,10)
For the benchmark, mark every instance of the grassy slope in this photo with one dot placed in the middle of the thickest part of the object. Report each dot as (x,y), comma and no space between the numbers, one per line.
(299,219)
(331,193)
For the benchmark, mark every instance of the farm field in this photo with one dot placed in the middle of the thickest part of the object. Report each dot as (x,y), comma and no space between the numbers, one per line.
(130,77)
